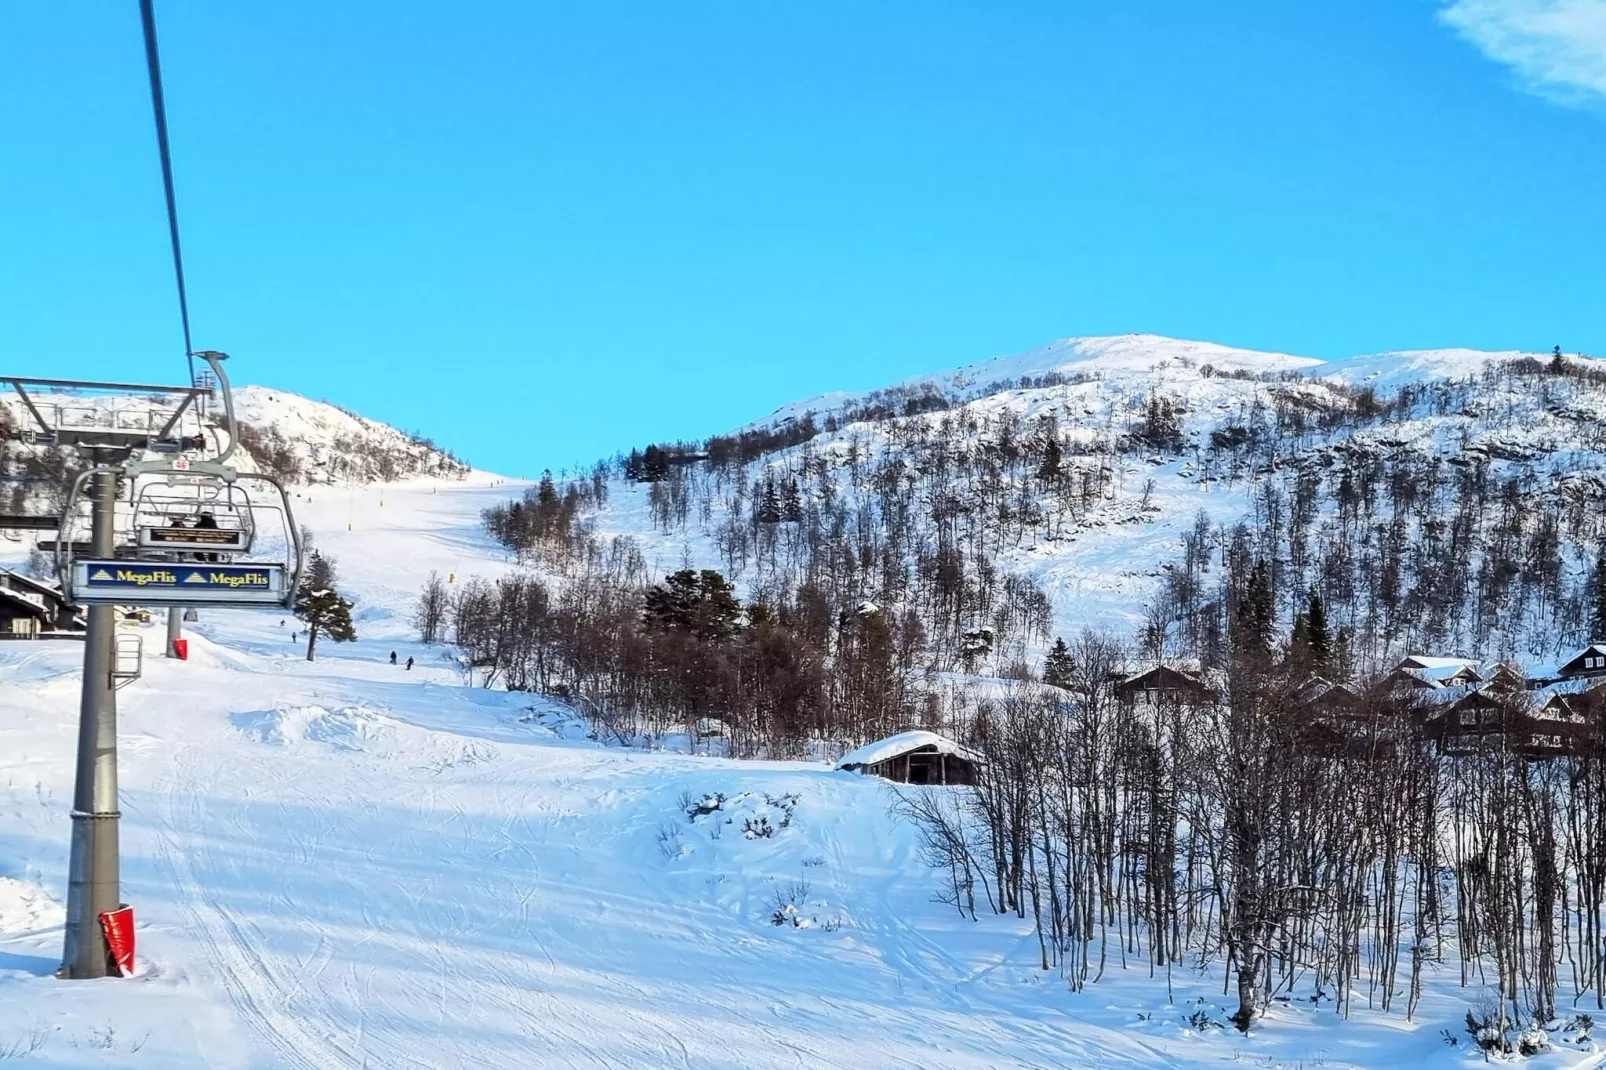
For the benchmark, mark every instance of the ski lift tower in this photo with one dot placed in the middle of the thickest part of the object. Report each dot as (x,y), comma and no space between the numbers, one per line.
(143,476)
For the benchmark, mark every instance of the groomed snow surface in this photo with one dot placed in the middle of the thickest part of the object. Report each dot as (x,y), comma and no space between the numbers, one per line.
(346,864)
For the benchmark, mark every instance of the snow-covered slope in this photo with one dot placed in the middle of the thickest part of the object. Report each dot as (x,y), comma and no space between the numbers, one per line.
(348,863)
(316,442)
(300,440)
(1069,358)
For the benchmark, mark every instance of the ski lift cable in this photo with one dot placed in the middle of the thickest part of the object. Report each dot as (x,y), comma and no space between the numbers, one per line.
(147,15)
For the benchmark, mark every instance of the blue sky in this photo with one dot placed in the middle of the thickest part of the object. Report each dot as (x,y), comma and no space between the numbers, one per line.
(541,232)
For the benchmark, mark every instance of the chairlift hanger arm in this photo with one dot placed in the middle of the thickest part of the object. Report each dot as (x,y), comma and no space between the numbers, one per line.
(28,401)
(89,384)
(177,414)
(214,360)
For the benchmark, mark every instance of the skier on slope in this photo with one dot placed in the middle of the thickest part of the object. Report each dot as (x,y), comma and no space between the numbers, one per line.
(393,657)
(409,664)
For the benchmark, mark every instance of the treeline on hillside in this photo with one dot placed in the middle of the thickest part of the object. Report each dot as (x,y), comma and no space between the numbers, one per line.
(770,676)
(1408,550)
(971,614)
(1481,544)
(1177,831)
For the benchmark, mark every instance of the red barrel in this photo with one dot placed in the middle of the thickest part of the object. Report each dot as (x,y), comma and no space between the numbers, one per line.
(118,925)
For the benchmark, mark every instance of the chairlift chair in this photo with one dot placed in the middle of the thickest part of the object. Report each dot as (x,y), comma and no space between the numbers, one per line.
(185,531)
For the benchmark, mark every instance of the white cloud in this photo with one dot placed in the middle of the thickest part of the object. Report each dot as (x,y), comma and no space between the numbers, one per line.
(1558,47)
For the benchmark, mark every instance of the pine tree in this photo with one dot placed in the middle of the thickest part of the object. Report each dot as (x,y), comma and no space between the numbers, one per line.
(792,502)
(701,604)
(320,606)
(1343,656)
(547,494)
(1057,667)
(1598,621)
(654,465)
(769,504)
(1299,641)
(1053,457)
(1254,615)
(1317,638)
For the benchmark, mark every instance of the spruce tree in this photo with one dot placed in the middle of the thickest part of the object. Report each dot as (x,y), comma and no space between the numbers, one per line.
(1053,457)
(320,606)
(1598,620)
(1317,638)
(1343,657)
(1253,619)
(1057,667)
(792,503)
(769,503)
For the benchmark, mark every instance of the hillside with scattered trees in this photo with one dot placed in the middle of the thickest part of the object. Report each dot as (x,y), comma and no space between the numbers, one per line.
(993,553)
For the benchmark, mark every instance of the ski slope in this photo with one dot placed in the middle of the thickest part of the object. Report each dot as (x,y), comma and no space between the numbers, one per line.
(347,864)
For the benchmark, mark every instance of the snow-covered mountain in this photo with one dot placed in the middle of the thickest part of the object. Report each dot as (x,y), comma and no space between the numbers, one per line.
(309,441)
(298,439)
(353,862)
(1155,442)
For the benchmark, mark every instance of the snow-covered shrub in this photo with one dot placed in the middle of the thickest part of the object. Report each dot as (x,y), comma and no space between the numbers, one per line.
(1533,1040)
(708,804)
(758,828)
(670,844)
(1487,1031)
(784,803)
(785,902)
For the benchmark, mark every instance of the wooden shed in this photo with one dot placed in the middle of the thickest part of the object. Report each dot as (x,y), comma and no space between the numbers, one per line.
(914,758)
(33,609)
(21,617)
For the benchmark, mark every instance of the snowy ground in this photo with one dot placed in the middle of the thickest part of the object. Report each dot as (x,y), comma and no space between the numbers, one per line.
(345,864)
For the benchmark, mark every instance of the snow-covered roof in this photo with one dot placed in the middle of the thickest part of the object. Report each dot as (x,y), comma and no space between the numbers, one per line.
(903,743)
(1593,648)
(1423,661)
(27,601)
(39,586)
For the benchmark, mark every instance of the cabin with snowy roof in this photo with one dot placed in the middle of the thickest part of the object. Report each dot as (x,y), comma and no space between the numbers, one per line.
(1483,718)
(1588,662)
(33,609)
(1426,673)
(914,758)
(1164,685)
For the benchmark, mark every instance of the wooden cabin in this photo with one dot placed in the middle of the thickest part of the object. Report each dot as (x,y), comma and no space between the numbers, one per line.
(1486,718)
(915,757)
(1164,684)
(1588,662)
(33,609)
(1425,673)
(21,618)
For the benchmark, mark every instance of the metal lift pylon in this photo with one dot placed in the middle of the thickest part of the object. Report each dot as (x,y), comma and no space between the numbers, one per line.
(113,445)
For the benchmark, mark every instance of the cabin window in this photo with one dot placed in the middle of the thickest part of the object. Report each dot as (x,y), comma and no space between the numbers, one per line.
(1469,718)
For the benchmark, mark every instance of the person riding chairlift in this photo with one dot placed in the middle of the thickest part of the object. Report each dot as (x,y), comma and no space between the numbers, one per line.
(206,522)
